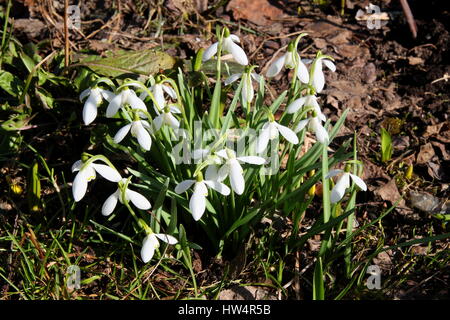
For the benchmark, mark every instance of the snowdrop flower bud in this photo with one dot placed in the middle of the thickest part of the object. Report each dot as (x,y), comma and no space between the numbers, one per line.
(95,97)
(306,101)
(229,46)
(197,203)
(126,96)
(338,191)
(271,130)
(87,172)
(318,78)
(233,168)
(136,198)
(151,243)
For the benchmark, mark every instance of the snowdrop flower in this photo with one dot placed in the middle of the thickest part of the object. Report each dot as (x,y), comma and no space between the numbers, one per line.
(290,60)
(126,96)
(343,183)
(307,101)
(318,78)
(95,97)
(271,130)
(87,173)
(151,243)
(247,87)
(166,117)
(233,168)
(229,46)
(138,130)
(158,90)
(197,203)
(136,198)
(314,124)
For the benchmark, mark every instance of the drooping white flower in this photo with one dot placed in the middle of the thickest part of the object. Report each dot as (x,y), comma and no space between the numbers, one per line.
(151,243)
(306,101)
(289,60)
(135,197)
(158,90)
(318,78)
(88,173)
(247,92)
(314,124)
(126,96)
(197,203)
(95,97)
(166,117)
(343,183)
(233,169)
(271,130)
(228,46)
(138,130)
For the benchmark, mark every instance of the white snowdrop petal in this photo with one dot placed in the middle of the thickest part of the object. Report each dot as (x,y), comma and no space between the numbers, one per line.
(295,105)
(110,203)
(149,244)
(170,91)
(210,52)
(135,102)
(302,73)
(330,65)
(121,134)
(339,189)
(138,199)
(167,238)
(238,54)
(77,165)
(171,120)
(199,153)
(84,94)
(235,38)
(318,80)
(158,121)
(158,93)
(333,173)
(232,78)
(256,76)
(252,160)
(320,132)
(287,133)
(301,125)
(223,172)
(174,109)
(218,186)
(263,140)
(114,106)
(222,153)
(107,95)
(197,205)
(183,186)
(79,185)
(107,172)
(212,173)
(276,67)
(359,182)
(89,110)
(236,177)
(142,135)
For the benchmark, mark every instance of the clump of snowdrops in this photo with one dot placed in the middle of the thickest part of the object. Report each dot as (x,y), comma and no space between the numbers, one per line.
(211,155)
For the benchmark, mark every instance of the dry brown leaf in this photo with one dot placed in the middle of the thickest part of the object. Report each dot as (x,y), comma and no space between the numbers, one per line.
(425,154)
(260,12)
(389,192)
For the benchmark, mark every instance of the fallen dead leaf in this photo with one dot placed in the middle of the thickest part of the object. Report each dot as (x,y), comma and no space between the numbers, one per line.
(260,12)
(425,154)
(389,192)
(415,61)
